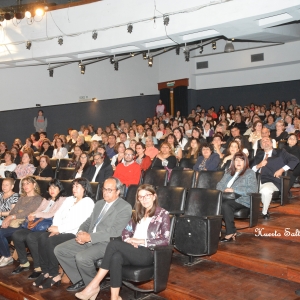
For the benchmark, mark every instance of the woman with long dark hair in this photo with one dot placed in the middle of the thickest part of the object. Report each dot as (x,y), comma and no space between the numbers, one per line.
(84,168)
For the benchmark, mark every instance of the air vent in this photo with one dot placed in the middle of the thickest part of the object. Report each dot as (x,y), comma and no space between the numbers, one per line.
(202,65)
(257,57)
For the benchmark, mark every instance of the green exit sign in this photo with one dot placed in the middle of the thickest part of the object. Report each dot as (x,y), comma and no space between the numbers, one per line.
(172,83)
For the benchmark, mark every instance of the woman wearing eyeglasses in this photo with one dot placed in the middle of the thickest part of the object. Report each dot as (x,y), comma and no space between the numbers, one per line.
(149,227)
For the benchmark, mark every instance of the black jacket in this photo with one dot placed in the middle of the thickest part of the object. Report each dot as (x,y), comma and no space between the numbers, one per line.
(105,172)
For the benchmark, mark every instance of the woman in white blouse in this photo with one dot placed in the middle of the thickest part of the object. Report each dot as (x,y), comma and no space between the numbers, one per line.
(59,150)
(8,165)
(73,212)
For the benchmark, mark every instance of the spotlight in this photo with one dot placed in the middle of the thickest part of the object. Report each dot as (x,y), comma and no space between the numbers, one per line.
(112,60)
(28,14)
(94,35)
(51,71)
(19,15)
(132,54)
(186,53)
(177,50)
(60,40)
(145,55)
(94,99)
(214,45)
(201,49)
(79,64)
(129,28)
(150,61)
(8,16)
(229,47)
(28,45)
(82,69)
(166,20)
(39,12)
(1,18)
(116,65)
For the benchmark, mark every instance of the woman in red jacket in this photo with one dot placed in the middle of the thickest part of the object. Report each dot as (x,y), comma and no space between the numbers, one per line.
(141,158)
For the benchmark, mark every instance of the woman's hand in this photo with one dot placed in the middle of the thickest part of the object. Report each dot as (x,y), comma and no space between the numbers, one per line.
(228,190)
(6,221)
(135,242)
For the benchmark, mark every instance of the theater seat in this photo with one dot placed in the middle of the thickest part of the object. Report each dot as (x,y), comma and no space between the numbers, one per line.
(182,178)
(208,179)
(65,173)
(187,162)
(156,177)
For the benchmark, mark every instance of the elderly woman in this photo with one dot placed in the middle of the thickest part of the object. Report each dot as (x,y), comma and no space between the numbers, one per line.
(84,168)
(72,213)
(165,158)
(26,167)
(241,180)
(44,170)
(24,236)
(29,201)
(59,151)
(208,161)
(149,227)
(8,164)
(141,158)
(279,134)
(8,198)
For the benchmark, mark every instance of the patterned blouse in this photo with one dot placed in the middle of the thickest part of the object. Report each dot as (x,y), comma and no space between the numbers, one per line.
(24,170)
(5,204)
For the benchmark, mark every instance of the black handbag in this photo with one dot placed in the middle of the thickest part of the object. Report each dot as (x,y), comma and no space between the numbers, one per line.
(10,174)
(230,196)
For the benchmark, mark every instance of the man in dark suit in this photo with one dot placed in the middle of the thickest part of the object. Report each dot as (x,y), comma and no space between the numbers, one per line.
(271,163)
(108,219)
(103,170)
(236,133)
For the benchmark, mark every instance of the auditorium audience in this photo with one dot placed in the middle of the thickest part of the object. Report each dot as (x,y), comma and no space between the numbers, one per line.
(149,227)
(29,201)
(46,149)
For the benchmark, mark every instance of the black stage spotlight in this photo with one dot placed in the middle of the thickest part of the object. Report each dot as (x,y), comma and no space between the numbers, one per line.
(177,50)
(60,40)
(82,69)
(186,53)
(166,20)
(94,35)
(19,15)
(214,45)
(145,55)
(150,61)
(129,28)
(51,71)
(116,65)
(28,45)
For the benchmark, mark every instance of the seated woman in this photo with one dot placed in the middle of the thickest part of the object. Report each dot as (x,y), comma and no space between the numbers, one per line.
(59,151)
(182,141)
(141,158)
(270,122)
(84,168)
(66,221)
(151,151)
(8,198)
(279,134)
(8,165)
(44,170)
(29,201)
(232,149)
(119,157)
(132,144)
(194,149)
(196,133)
(28,144)
(208,161)
(207,130)
(165,158)
(35,137)
(46,149)
(75,158)
(239,139)
(3,149)
(25,168)
(255,135)
(175,146)
(93,148)
(47,209)
(241,180)
(150,133)
(149,227)
(16,155)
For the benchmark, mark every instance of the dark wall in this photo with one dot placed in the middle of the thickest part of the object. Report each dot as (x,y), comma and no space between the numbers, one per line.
(244,95)
(19,123)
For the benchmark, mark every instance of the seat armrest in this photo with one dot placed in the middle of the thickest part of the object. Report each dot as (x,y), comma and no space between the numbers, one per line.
(212,217)
(214,224)
(176,212)
(284,185)
(255,199)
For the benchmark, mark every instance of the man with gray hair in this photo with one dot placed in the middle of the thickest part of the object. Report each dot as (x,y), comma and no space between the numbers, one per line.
(108,219)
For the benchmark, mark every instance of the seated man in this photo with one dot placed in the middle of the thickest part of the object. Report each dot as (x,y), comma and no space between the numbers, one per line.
(103,170)
(271,164)
(129,172)
(110,147)
(108,219)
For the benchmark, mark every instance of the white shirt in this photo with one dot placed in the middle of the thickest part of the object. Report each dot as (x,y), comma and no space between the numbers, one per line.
(142,229)
(96,137)
(96,172)
(62,153)
(70,216)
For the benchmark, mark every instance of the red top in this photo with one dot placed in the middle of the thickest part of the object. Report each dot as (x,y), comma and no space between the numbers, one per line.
(146,163)
(128,174)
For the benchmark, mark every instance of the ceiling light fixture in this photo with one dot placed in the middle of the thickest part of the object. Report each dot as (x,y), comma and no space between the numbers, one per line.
(51,71)
(186,53)
(145,55)
(39,12)
(229,47)
(112,59)
(166,20)
(150,61)
(94,35)
(132,54)
(214,45)
(116,66)
(201,48)
(177,50)
(129,28)
(28,45)
(82,69)
(79,64)
(60,40)
(28,14)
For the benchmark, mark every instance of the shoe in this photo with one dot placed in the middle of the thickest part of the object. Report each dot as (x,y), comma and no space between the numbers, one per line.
(39,280)
(297,292)
(86,297)
(266,216)
(49,282)
(19,269)
(6,261)
(76,286)
(232,238)
(34,275)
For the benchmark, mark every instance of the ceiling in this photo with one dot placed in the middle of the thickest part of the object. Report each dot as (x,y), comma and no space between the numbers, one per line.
(251,23)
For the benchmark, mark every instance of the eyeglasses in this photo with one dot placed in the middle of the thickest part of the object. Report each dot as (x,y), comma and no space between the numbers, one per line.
(128,154)
(146,197)
(108,190)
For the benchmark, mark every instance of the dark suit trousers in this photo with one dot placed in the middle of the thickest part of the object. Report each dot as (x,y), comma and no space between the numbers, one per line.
(120,253)
(228,208)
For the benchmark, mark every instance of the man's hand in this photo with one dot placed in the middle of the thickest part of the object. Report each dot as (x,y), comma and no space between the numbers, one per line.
(278,173)
(53,229)
(6,222)
(262,164)
(83,237)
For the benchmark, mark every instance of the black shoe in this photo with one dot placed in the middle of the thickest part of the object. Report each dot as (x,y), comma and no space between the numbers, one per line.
(34,275)
(76,286)
(19,269)
(297,292)
(232,238)
(266,216)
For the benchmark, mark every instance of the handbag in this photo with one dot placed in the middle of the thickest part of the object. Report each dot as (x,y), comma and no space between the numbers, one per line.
(38,224)
(230,196)
(10,174)
(16,223)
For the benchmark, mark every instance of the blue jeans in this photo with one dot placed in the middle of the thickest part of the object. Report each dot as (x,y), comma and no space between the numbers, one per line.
(4,234)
